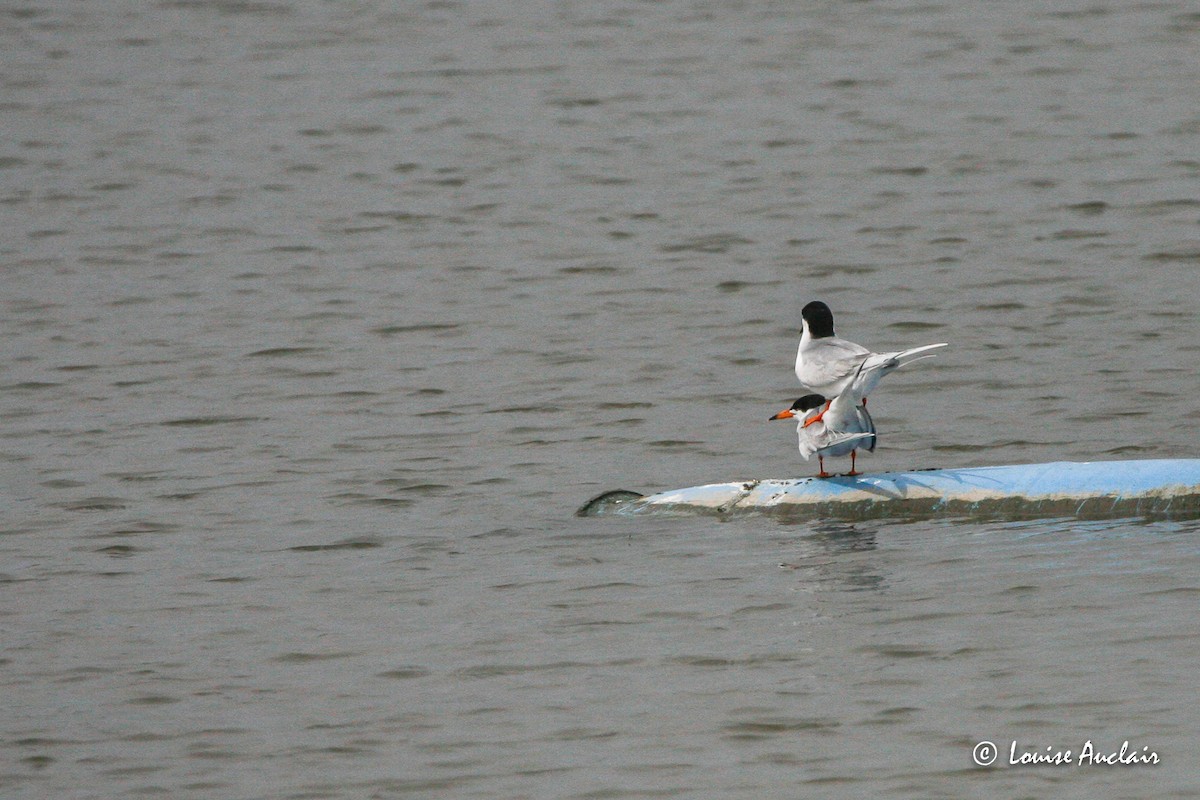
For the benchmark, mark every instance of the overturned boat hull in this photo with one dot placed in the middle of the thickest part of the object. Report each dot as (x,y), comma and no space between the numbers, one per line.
(1160,488)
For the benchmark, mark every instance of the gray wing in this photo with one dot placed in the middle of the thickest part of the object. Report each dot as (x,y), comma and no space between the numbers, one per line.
(834,361)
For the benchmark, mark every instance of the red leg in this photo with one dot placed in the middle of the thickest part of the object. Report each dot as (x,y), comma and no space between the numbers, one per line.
(818,417)
(822,473)
(853,471)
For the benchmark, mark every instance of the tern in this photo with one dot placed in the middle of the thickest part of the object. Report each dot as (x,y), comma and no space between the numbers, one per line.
(840,429)
(827,364)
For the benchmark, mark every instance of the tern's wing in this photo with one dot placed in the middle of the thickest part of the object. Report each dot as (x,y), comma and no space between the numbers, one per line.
(829,361)
(847,420)
(837,437)
(834,438)
(808,441)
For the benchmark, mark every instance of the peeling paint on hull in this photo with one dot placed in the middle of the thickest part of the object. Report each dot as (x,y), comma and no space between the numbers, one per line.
(1158,488)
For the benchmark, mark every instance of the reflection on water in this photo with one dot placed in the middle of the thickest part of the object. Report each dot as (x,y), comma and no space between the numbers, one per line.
(829,556)
(840,537)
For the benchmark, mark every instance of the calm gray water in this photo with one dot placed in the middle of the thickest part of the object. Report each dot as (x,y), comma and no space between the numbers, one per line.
(321,319)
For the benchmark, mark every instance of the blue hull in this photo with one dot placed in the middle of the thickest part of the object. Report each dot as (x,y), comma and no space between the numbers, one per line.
(1101,489)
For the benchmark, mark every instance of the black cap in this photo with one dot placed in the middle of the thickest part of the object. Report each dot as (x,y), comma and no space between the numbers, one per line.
(819,319)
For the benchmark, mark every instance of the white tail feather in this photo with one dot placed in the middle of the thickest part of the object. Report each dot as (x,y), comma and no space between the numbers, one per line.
(879,364)
(903,355)
(919,358)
